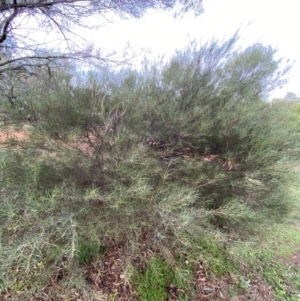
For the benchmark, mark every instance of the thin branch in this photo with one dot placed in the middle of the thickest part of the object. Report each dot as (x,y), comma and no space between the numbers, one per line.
(8,22)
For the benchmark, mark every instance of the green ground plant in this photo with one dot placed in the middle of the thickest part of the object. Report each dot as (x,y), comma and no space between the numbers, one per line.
(271,257)
(160,276)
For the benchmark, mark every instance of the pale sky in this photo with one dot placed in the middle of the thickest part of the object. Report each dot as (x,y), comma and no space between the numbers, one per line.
(273,22)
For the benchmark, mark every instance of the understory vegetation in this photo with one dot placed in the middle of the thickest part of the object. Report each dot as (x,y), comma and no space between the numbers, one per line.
(176,182)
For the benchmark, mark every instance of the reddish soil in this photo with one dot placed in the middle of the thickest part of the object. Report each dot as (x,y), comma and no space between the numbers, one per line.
(9,136)
(12,134)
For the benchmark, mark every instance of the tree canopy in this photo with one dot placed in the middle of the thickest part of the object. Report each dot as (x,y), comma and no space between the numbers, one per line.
(26,25)
(22,18)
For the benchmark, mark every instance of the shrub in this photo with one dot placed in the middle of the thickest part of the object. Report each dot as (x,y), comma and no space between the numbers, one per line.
(179,151)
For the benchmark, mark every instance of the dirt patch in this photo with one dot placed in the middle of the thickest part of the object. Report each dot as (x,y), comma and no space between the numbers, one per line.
(293,260)
(206,289)
(226,289)
(11,134)
(258,290)
(109,276)
(14,138)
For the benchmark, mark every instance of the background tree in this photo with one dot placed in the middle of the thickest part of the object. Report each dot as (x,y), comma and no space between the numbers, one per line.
(25,23)
(19,49)
(291,96)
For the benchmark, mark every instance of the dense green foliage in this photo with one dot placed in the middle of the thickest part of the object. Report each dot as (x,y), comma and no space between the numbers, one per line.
(186,151)
(156,278)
